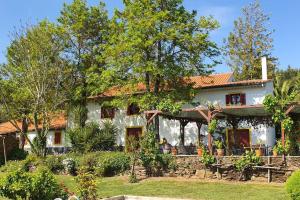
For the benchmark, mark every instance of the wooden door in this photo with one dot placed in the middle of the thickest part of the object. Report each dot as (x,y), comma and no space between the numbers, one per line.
(240,139)
(135,132)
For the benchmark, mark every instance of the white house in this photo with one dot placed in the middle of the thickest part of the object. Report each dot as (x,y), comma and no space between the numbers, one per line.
(218,89)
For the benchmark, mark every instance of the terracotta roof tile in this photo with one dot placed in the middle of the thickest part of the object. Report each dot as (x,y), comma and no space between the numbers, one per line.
(199,82)
(57,123)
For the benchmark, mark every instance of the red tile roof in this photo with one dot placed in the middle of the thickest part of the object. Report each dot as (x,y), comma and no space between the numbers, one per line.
(198,81)
(59,122)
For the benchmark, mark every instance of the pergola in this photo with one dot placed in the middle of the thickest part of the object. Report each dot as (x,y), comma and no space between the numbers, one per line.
(233,114)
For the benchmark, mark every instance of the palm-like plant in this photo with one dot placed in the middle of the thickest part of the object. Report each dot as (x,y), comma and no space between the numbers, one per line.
(287,89)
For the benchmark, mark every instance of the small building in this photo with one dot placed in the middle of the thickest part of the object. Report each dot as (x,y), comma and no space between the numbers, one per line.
(56,138)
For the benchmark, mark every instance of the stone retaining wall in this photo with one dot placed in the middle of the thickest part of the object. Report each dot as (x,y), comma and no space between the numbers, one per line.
(190,166)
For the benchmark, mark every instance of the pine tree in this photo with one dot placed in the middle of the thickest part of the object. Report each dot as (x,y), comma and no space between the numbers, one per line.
(248,42)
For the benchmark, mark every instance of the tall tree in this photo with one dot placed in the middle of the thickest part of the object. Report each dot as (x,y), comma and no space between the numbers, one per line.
(85,30)
(250,39)
(154,45)
(33,81)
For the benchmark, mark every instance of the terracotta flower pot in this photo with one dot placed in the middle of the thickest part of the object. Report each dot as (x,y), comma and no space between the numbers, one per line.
(220,152)
(174,151)
(259,152)
(199,151)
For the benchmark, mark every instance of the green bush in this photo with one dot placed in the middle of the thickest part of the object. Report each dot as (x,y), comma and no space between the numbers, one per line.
(249,159)
(89,161)
(17,154)
(54,163)
(293,186)
(93,138)
(112,163)
(207,159)
(24,185)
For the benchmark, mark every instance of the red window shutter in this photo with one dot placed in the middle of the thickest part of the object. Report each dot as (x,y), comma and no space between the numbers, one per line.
(57,138)
(243,99)
(228,99)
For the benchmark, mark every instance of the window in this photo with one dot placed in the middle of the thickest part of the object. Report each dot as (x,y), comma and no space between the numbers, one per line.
(57,137)
(133,109)
(107,112)
(236,99)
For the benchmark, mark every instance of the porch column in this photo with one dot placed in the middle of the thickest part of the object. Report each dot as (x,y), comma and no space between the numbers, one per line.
(199,125)
(209,134)
(183,123)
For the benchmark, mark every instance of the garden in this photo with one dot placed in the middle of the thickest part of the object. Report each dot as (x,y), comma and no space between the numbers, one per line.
(94,172)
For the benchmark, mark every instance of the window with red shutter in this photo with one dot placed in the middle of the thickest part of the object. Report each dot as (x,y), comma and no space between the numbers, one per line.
(57,137)
(243,99)
(236,99)
(107,112)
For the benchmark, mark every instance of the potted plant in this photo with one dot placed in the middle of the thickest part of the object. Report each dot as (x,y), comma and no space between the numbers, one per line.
(259,151)
(199,148)
(219,146)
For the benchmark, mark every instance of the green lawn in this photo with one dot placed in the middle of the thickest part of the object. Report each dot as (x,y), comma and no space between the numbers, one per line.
(184,188)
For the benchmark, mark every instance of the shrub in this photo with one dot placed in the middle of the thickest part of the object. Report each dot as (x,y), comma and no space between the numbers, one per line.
(17,154)
(86,185)
(93,138)
(89,161)
(54,163)
(132,178)
(168,162)
(44,186)
(69,165)
(31,162)
(112,163)
(248,160)
(35,186)
(207,159)
(293,186)
(150,155)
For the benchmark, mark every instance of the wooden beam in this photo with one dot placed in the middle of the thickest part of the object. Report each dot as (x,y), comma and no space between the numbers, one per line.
(152,117)
(290,109)
(203,115)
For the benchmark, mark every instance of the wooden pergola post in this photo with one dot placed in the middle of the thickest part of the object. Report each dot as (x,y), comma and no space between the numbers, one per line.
(183,123)
(199,125)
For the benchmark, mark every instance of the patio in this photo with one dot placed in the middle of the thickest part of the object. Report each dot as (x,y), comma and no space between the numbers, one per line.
(232,115)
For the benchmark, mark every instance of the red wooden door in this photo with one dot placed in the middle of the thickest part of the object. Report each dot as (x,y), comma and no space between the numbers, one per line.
(240,139)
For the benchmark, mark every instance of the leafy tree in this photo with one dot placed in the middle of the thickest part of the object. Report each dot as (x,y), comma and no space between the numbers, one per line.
(84,30)
(33,81)
(248,42)
(153,45)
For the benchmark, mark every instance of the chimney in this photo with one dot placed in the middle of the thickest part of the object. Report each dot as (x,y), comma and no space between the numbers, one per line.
(264,68)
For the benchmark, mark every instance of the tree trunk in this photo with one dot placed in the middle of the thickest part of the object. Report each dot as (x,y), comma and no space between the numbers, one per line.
(23,132)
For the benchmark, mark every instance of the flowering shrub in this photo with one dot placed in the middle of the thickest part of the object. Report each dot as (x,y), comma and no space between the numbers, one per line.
(69,165)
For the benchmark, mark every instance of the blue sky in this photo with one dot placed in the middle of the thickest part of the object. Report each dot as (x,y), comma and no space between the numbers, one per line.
(285,17)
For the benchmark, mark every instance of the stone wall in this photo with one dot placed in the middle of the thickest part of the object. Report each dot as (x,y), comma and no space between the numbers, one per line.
(190,166)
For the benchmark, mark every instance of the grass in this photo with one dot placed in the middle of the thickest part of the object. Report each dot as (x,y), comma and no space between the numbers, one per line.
(183,188)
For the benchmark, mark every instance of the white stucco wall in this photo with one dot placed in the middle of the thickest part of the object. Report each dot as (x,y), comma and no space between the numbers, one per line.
(169,129)
(50,139)
(254,94)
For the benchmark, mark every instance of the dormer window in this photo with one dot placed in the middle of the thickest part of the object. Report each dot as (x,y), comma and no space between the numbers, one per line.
(236,99)
(133,109)
(107,112)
